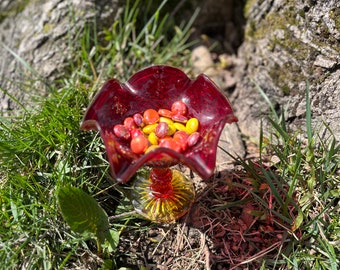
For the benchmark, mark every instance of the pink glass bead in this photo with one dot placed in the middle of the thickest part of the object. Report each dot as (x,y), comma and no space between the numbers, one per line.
(121,132)
(179,107)
(138,118)
(193,139)
(162,129)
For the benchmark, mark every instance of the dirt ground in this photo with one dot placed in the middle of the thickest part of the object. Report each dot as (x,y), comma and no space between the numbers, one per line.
(226,228)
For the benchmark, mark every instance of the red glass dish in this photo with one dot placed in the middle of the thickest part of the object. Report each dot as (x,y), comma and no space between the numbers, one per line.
(158,87)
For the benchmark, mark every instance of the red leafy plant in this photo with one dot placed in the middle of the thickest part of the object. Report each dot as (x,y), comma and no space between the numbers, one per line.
(158,87)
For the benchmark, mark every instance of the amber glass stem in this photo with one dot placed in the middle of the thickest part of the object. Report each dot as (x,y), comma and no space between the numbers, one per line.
(161,185)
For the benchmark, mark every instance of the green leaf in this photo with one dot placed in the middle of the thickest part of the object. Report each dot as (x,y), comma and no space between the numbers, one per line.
(298,221)
(112,239)
(82,213)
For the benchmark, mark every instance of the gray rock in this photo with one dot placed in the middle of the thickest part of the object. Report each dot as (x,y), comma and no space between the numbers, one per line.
(231,142)
(38,42)
(287,44)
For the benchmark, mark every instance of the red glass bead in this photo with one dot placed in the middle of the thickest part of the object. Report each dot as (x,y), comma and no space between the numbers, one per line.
(129,123)
(136,132)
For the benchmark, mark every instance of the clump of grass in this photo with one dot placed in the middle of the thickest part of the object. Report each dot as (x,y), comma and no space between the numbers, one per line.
(43,150)
(39,153)
(129,46)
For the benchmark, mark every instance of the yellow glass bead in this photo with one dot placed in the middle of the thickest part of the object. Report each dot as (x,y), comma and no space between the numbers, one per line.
(180,126)
(153,138)
(149,128)
(166,120)
(192,125)
(150,148)
(171,130)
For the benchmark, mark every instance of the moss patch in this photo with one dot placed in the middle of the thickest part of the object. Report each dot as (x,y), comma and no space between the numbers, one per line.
(335,16)
(15,7)
(287,43)
(248,5)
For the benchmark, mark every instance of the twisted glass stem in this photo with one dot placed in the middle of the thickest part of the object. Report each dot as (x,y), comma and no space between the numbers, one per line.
(162,195)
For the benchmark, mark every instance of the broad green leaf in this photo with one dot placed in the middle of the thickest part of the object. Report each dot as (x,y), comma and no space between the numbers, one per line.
(82,213)
(112,239)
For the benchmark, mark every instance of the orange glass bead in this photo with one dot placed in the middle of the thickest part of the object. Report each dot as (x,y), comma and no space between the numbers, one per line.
(181,137)
(139,144)
(165,113)
(150,116)
(170,143)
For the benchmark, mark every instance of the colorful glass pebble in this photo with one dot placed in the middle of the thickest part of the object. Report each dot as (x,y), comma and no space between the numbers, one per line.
(151,116)
(139,120)
(166,120)
(179,118)
(151,147)
(139,144)
(164,112)
(129,123)
(149,128)
(192,125)
(193,139)
(181,137)
(136,132)
(179,126)
(121,131)
(153,139)
(170,143)
(162,130)
(179,108)
(171,130)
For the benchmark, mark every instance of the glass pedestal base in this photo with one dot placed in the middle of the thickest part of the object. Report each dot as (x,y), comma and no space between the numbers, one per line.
(162,195)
